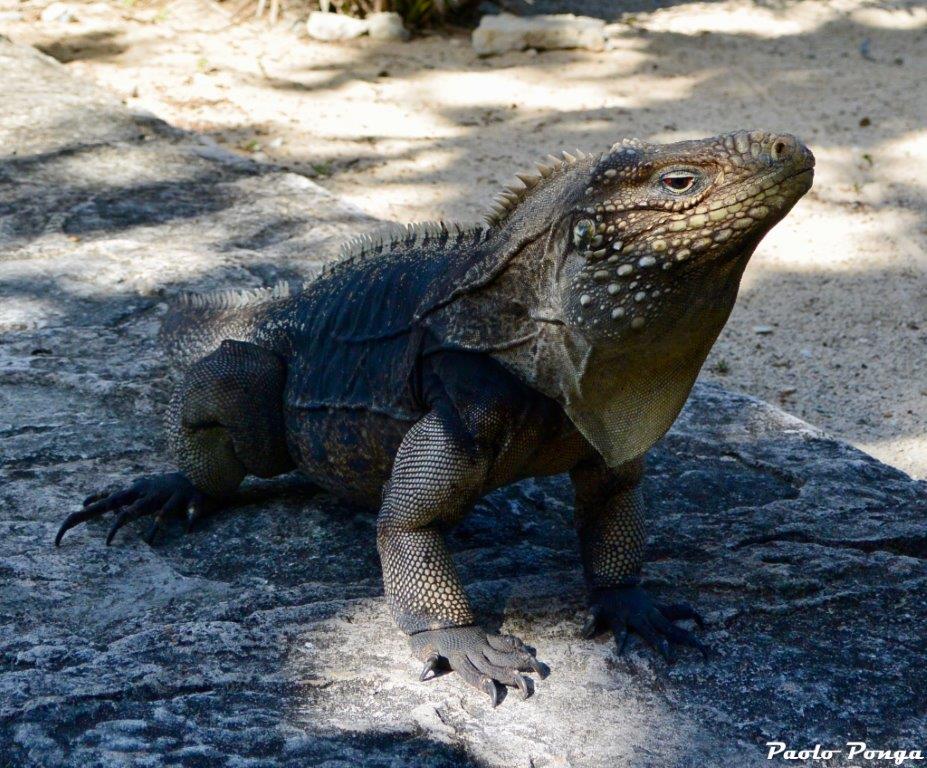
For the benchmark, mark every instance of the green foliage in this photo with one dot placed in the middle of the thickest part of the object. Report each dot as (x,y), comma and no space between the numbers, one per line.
(417,12)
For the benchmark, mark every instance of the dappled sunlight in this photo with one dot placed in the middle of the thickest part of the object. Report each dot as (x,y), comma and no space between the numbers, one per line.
(263,636)
(838,245)
(324,656)
(19,312)
(127,268)
(913,16)
(741,18)
(342,111)
(780,19)
(875,172)
(897,451)
(861,209)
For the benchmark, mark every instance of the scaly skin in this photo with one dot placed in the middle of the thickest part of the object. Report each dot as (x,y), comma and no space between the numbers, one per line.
(435,364)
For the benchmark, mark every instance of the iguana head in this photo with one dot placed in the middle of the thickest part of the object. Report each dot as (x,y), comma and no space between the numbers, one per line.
(653,219)
(634,233)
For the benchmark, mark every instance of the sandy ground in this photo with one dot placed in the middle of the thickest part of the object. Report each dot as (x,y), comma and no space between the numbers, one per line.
(832,319)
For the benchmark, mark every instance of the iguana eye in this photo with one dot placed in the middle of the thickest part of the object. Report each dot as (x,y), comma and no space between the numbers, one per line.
(678,181)
(583,231)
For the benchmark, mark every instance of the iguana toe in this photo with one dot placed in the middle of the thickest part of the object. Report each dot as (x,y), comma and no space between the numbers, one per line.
(506,643)
(157,495)
(630,609)
(484,661)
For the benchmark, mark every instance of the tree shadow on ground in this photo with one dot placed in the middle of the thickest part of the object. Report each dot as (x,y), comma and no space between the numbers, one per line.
(615,10)
(97,44)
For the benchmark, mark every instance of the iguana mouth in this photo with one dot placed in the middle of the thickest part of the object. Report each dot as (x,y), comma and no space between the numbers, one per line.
(808,169)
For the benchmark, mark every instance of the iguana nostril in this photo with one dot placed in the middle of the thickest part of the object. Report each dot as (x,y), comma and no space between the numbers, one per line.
(779,150)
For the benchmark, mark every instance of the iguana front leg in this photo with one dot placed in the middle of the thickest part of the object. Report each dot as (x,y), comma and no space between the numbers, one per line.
(610,523)
(438,472)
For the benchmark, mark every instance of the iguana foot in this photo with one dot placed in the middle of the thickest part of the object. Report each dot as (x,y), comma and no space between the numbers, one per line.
(631,609)
(158,495)
(481,660)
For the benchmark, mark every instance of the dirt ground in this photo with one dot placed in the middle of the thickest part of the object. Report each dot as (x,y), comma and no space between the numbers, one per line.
(832,319)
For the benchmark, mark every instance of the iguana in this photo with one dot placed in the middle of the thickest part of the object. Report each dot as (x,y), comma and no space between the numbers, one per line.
(437,362)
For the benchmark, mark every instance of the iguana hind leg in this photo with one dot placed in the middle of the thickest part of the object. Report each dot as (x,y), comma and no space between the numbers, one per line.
(225,421)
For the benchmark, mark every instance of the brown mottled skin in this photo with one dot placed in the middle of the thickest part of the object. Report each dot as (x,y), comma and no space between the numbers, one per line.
(431,366)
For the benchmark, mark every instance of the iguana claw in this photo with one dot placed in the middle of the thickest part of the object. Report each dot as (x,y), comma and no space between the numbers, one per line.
(622,642)
(591,626)
(432,664)
(489,685)
(195,512)
(522,682)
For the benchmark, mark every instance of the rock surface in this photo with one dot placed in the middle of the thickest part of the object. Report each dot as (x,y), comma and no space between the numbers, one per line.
(262,639)
(331,27)
(505,32)
(386,26)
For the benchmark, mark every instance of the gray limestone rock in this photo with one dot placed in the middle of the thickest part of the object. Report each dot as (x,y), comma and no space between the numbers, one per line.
(504,32)
(335,26)
(262,638)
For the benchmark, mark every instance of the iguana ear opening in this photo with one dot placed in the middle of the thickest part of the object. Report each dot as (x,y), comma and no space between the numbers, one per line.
(583,232)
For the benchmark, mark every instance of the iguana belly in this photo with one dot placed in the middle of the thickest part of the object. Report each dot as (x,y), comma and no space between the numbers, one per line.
(348,452)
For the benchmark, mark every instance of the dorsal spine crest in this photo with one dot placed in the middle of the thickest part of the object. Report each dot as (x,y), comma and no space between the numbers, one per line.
(390,237)
(236,299)
(518,189)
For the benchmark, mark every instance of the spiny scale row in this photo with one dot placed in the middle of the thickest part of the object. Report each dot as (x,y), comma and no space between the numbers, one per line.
(395,235)
(408,235)
(516,190)
(235,299)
